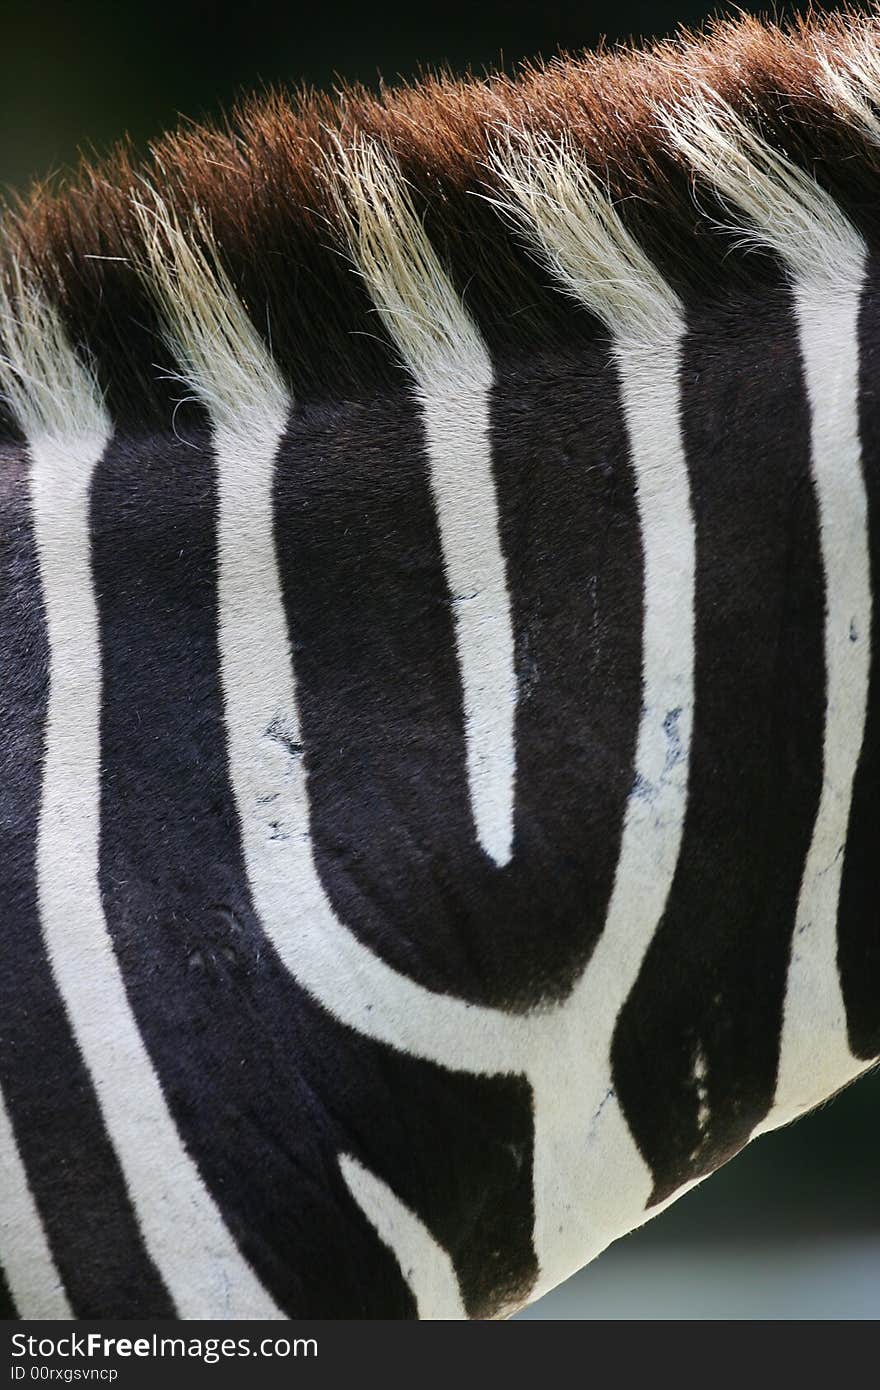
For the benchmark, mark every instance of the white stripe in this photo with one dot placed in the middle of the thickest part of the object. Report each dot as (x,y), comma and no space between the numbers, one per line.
(581,1134)
(785,209)
(34,1281)
(263,726)
(563,1051)
(183,1230)
(425,1265)
(451,367)
(815,1058)
(457,430)
(591,1182)
(657,803)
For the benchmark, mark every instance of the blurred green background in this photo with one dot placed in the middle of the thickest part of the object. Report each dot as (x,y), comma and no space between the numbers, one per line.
(792,1227)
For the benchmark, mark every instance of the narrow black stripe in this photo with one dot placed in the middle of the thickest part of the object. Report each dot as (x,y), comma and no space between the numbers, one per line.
(858,931)
(372,626)
(710,993)
(72,1169)
(265,1088)
(570,530)
(7,1307)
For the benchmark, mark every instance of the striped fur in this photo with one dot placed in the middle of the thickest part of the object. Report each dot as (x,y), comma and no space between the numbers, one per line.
(438,771)
(453,374)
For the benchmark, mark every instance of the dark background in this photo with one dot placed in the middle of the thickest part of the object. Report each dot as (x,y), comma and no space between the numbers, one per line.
(77,76)
(81,74)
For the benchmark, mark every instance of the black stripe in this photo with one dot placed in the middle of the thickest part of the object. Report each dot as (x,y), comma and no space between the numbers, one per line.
(372,631)
(570,532)
(713,981)
(72,1170)
(858,931)
(372,626)
(265,1088)
(7,1306)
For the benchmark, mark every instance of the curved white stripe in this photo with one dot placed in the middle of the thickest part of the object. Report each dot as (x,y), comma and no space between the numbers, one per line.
(581,1134)
(815,1059)
(580,1131)
(424,1264)
(183,1229)
(266,766)
(457,430)
(26,1259)
(658,800)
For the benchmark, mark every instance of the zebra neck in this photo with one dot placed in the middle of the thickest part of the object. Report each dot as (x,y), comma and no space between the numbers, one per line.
(479,1070)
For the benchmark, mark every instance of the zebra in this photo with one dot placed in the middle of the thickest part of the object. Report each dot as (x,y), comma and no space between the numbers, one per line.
(440,711)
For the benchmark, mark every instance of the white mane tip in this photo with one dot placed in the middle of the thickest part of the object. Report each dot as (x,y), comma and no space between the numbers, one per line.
(50,391)
(222,357)
(416,300)
(550,194)
(773,203)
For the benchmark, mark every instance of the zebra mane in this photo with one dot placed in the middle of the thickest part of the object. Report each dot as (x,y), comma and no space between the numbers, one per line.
(326,240)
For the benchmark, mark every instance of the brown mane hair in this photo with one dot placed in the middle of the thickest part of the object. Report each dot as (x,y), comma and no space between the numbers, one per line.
(262,185)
